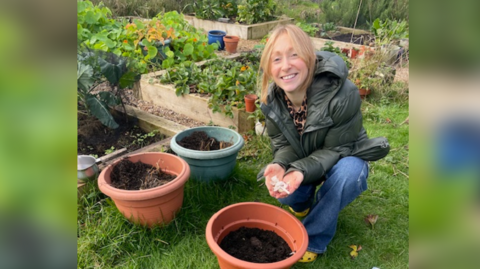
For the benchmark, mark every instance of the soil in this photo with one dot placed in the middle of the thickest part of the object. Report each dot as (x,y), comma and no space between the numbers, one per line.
(94,138)
(256,245)
(127,175)
(199,140)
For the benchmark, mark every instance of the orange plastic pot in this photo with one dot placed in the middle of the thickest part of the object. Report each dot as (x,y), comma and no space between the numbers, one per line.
(250,102)
(153,206)
(231,43)
(364,92)
(353,53)
(255,215)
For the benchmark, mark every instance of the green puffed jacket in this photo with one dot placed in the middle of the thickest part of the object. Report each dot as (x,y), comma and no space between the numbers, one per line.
(333,127)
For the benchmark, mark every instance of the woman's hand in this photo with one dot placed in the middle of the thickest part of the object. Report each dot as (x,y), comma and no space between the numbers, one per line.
(271,171)
(293,179)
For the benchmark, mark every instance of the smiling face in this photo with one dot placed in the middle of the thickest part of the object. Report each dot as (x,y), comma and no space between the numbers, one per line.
(288,70)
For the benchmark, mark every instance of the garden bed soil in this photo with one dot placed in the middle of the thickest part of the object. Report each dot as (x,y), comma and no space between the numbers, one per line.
(127,175)
(199,140)
(94,138)
(256,245)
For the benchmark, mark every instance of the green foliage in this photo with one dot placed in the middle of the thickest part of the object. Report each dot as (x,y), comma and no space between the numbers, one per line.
(214,9)
(93,68)
(389,31)
(254,11)
(139,40)
(145,8)
(340,12)
(191,44)
(308,28)
(225,81)
(329,47)
(344,13)
(328,29)
(141,139)
(97,30)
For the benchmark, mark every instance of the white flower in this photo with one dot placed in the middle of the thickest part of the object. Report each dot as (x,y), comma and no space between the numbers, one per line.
(279,185)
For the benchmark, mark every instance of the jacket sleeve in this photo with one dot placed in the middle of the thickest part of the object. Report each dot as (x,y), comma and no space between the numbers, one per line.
(340,138)
(283,152)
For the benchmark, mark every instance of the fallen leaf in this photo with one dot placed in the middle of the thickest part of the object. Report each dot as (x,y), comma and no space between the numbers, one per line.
(354,252)
(371,219)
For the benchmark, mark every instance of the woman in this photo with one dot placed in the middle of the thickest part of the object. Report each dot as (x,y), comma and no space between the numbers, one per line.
(314,122)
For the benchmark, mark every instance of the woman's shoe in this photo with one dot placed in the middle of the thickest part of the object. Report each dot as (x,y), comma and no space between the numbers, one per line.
(308,257)
(300,214)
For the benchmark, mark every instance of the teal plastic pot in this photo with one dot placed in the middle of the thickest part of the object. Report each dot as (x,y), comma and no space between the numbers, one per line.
(215,36)
(214,165)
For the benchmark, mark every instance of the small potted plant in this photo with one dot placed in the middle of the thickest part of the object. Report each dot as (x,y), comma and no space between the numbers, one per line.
(152,36)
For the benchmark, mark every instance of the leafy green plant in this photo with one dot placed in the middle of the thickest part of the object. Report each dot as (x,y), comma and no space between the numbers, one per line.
(225,81)
(328,29)
(97,30)
(308,28)
(389,31)
(93,69)
(214,9)
(152,37)
(329,47)
(254,11)
(141,139)
(110,150)
(182,76)
(191,44)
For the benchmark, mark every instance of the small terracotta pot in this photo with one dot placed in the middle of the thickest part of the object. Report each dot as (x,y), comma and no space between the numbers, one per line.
(255,215)
(353,53)
(250,102)
(151,206)
(231,43)
(364,92)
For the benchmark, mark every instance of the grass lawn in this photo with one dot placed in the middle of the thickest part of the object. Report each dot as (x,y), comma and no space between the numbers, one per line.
(106,239)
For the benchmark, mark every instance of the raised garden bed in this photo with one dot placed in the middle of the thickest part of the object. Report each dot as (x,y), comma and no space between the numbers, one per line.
(192,105)
(342,38)
(252,31)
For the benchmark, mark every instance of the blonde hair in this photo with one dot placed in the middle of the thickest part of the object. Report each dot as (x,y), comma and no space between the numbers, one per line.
(303,47)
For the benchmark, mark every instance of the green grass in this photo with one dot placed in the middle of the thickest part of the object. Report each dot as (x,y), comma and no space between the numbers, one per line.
(106,239)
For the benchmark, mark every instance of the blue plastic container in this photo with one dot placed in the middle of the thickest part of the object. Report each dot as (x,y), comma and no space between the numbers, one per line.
(215,36)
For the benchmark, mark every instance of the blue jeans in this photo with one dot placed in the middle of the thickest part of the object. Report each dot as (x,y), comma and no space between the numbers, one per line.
(344,182)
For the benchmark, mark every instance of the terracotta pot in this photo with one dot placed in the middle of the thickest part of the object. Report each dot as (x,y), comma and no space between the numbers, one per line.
(256,215)
(231,43)
(353,53)
(364,92)
(250,102)
(153,206)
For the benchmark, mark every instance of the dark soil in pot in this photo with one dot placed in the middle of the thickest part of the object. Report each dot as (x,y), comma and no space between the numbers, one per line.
(256,245)
(94,138)
(199,140)
(127,175)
